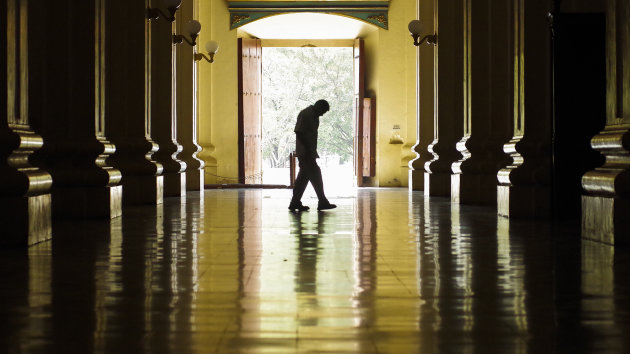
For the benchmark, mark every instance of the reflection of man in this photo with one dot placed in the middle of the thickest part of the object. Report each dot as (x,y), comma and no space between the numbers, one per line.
(306,151)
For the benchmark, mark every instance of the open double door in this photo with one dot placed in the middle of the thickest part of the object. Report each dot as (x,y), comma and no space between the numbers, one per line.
(250,114)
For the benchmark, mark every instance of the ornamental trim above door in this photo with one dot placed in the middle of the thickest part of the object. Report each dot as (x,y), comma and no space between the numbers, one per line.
(371,11)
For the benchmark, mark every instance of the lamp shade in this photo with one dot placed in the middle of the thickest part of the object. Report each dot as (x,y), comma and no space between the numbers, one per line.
(415,27)
(172,3)
(212,47)
(192,27)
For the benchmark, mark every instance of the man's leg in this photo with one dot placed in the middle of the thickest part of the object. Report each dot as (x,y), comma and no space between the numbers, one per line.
(298,188)
(315,176)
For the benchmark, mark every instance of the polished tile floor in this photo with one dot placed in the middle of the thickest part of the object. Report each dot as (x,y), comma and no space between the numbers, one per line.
(386,272)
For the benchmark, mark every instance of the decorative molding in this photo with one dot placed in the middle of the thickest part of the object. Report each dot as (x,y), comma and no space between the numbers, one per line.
(382,19)
(236,19)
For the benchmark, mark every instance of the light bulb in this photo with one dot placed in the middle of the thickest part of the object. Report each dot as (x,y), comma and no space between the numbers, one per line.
(212,47)
(193,27)
(415,27)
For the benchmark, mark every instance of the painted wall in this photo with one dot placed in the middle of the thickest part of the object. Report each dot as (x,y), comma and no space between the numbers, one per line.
(390,77)
(218,96)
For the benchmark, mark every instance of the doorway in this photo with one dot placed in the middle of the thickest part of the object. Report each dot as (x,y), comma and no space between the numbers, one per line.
(292,79)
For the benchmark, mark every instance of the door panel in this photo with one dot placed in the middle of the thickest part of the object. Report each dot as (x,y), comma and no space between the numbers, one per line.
(250,111)
(359,93)
(369,142)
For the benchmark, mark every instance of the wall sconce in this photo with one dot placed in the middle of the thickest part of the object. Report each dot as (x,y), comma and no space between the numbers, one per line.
(153,13)
(193,27)
(415,28)
(212,47)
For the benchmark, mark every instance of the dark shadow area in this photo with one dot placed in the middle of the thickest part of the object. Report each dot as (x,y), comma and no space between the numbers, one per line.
(579,101)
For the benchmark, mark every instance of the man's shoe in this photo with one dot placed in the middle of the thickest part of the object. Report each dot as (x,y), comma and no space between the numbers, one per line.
(298,207)
(325,206)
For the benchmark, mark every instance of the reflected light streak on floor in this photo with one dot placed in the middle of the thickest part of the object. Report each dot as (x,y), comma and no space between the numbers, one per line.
(386,272)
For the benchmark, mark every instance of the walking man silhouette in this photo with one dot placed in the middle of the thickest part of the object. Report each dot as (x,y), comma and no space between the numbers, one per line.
(306,151)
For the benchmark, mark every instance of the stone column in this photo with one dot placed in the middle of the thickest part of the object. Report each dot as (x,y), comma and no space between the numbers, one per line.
(487,102)
(25,202)
(449,54)
(163,104)
(606,199)
(128,101)
(424,97)
(524,185)
(67,103)
(187,99)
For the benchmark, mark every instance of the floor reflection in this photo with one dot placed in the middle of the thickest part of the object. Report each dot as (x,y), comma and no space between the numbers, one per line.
(387,271)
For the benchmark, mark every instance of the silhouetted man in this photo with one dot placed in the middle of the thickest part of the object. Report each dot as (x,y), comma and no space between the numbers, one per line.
(306,151)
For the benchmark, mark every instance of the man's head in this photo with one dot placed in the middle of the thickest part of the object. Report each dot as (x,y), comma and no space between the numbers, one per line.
(321,107)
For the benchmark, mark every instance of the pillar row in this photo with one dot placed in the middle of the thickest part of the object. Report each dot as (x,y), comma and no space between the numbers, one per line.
(67,101)
(524,185)
(187,122)
(128,101)
(487,102)
(424,99)
(163,105)
(448,101)
(25,201)
(606,199)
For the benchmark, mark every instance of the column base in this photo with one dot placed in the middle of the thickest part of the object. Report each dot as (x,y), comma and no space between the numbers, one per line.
(468,188)
(605,219)
(95,202)
(416,180)
(437,184)
(142,190)
(175,184)
(523,201)
(194,180)
(25,220)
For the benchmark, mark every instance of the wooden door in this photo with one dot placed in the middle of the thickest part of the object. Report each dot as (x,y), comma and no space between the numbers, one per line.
(359,93)
(368,133)
(250,111)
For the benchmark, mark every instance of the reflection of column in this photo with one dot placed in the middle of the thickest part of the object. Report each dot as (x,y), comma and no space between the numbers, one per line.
(163,106)
(606,203)
(448,71)
(128,101)
(598,310)
(424,98)
(487,78)
(67,100)
(187,99)
(365,259)
(106,281)
(524,185)
(74,287)
(25,204)
(249,256)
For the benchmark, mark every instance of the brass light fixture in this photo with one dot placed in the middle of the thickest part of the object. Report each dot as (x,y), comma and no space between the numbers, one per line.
(153,13)
(415,28)
(192,27)
(212,47)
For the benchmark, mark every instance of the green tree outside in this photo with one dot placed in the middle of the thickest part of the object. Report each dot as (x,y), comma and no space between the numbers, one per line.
(294,78)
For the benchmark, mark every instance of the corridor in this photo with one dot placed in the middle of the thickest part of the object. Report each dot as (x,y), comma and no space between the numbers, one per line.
(385,272)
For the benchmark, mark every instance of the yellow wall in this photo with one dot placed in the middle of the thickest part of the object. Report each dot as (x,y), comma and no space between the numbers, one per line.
(218,96)
(390,77)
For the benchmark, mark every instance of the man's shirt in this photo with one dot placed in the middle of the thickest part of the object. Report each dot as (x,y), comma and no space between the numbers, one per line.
(306,142)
